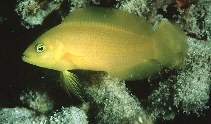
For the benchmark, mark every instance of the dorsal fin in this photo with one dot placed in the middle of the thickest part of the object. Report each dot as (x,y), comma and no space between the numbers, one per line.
(111,17)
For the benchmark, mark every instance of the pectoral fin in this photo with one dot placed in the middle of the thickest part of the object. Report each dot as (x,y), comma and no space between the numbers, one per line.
(71,84)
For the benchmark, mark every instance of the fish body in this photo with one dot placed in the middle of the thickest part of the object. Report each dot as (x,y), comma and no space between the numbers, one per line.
(110,40)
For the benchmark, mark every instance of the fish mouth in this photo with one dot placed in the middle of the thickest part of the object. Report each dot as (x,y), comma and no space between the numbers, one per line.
(25,57)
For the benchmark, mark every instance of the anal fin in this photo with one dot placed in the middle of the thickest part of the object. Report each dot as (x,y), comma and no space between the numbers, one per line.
(139,71)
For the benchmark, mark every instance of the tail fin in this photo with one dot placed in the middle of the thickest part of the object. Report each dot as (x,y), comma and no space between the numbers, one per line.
(170,44)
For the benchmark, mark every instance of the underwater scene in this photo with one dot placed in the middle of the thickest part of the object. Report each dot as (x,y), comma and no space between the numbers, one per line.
(105,61)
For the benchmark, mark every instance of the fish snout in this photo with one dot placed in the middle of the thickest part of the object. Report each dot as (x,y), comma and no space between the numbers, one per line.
(25,57)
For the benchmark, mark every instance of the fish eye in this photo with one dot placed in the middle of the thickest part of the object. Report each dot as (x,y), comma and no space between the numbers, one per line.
(40,48)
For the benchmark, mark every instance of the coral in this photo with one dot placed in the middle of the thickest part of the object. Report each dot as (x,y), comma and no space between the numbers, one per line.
(39,101)
(40,111)
(78,3)
(187,92)
(109,98)
(133,6)
(195,19)
(113,102)
(144,8)
(192,87)
(33,12)
(207,22)
(82,3)
(160,102)
(71,115)
(20,116)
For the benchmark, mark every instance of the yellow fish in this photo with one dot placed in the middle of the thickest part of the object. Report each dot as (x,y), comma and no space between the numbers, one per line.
(110,40)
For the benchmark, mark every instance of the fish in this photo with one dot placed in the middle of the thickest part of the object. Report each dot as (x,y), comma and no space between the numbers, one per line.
(111,40)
